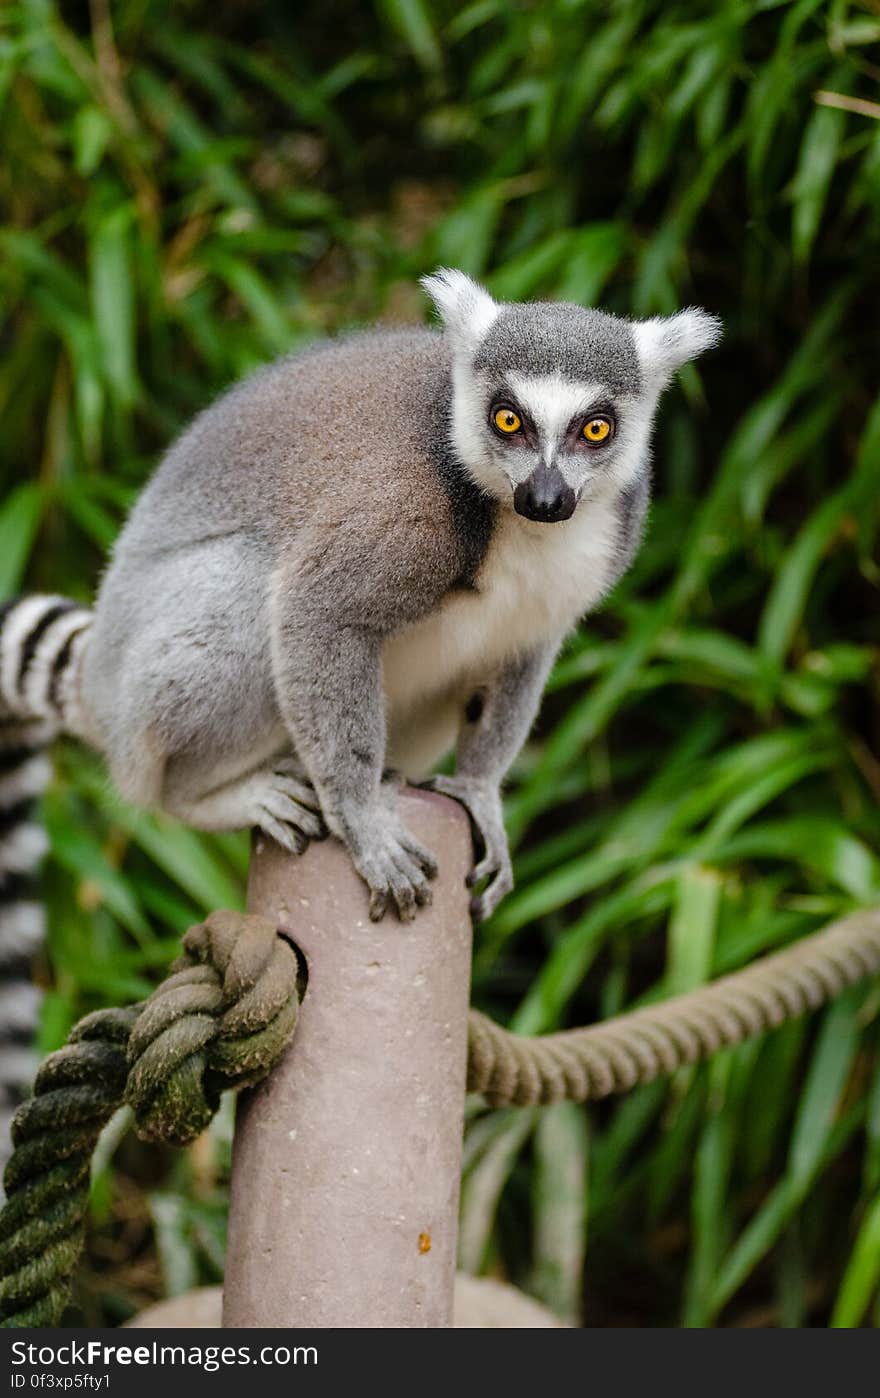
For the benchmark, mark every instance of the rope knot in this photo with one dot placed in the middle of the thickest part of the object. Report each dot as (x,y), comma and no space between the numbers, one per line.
(219,1021)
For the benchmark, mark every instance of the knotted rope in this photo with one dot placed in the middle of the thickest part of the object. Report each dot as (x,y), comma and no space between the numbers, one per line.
(220,1020)
(224,1015)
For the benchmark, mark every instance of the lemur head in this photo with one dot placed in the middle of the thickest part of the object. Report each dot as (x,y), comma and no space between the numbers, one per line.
(553,403)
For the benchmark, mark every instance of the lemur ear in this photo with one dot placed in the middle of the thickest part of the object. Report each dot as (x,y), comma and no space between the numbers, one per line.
(665,343)
(465,308)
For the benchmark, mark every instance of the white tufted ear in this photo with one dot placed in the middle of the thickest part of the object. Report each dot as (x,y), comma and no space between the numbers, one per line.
(465,308)
(665,343)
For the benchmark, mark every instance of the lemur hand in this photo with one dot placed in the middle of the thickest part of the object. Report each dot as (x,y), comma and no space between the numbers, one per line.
(482,801)
(393,864)
(285,806)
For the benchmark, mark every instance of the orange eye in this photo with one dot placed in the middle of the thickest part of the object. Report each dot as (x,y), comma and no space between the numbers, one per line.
(597,430)
(506,420)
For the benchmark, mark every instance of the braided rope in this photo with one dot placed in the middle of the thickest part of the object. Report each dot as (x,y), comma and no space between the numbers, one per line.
(583,1064)
(76,1092)
(221,1019)
(227,1011)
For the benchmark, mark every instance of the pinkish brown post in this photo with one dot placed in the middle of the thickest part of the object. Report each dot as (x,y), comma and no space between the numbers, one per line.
(347,1159)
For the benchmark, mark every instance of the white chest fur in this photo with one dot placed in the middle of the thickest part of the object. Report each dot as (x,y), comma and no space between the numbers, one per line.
(535,582)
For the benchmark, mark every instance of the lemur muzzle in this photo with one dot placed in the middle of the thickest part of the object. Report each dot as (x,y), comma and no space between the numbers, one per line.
(545,496)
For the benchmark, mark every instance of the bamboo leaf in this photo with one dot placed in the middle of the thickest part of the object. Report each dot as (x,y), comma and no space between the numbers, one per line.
(818,157)
(20,516)
(560,1209)
(862,1275)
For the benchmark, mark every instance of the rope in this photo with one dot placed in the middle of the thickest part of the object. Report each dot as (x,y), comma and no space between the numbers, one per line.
(220,1020)
(633,1048)
(228,1010)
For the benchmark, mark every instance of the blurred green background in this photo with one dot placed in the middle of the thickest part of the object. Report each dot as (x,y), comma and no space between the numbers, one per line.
(189,189)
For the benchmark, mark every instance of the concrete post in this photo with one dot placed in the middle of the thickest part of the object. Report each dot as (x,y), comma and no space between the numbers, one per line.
(347,1159)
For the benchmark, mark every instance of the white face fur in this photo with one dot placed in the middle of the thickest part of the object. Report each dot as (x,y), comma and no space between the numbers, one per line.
(552,403)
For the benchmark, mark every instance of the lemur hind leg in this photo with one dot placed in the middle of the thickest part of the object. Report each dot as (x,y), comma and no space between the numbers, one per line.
(274,797)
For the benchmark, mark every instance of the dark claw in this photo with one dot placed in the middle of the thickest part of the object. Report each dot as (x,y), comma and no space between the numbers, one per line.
(378,905)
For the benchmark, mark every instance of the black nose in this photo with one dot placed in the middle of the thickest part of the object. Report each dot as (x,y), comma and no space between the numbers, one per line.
(546,496)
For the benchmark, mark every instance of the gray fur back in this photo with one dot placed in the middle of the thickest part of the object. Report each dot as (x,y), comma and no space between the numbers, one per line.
(354,430)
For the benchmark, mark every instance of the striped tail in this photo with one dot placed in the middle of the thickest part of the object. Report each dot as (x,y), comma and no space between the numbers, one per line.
(41,642)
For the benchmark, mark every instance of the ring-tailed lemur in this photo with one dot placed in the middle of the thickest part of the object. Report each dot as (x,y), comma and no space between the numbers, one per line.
(358,557)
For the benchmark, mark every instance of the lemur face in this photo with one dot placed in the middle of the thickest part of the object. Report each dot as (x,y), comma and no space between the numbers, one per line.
(553,403)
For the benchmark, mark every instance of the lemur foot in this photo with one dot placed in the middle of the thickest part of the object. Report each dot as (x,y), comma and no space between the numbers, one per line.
(287,808)
(393,864)
(482,801)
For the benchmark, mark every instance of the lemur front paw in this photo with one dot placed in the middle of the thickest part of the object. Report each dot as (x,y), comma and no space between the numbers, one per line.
(482,801)
(287,808)
(393,864)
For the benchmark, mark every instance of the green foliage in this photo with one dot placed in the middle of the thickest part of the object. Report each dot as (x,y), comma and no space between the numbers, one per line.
(190,189)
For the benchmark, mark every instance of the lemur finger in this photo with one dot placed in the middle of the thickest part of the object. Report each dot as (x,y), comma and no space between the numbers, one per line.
(301,791)
(292,813)
(484,870)
(410,872)
(370,871)
(485,903)
(423,857)
(397,887)
(487,868)
(404,899)
(283,834)
(483,906)
(378,904)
